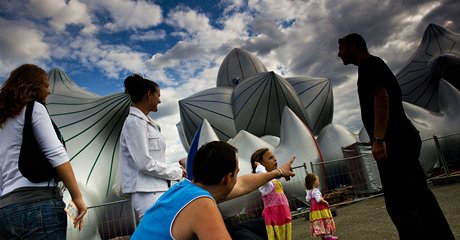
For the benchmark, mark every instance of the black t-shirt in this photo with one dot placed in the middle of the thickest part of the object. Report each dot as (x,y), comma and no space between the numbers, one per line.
(373,73)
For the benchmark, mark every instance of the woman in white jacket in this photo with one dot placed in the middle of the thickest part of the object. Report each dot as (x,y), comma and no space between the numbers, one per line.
(145,174)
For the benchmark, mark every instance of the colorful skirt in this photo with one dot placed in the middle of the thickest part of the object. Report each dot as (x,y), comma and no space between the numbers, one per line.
(278,223)
(321,221)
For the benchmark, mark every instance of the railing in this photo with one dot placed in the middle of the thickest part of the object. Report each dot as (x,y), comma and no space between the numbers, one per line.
(446,153)
(114,220)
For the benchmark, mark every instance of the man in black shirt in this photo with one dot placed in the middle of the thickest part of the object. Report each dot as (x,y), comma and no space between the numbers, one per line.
(395,146)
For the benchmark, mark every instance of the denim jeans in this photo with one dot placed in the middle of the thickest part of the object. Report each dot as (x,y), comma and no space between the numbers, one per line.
(44,219)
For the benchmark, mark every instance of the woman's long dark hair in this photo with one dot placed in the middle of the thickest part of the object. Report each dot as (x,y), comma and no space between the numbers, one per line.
(20,88)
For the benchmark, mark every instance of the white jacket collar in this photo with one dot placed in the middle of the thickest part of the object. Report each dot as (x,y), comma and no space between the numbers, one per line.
(138,113)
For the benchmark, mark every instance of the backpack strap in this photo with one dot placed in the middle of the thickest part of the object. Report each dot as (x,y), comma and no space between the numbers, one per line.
(28,116)
(29,109)
(28,122)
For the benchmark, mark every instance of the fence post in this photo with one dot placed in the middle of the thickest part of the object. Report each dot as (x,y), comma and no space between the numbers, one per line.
(312,169)
(133,212)
(441,155)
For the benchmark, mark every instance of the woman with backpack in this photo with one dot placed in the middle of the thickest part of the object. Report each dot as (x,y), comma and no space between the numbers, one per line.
(31,205)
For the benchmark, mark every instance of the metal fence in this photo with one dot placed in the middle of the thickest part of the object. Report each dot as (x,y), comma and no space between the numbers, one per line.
(114,220)
(445,152)
(356,176)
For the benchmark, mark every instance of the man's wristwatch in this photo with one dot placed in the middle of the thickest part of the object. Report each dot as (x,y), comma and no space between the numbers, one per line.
(379,140)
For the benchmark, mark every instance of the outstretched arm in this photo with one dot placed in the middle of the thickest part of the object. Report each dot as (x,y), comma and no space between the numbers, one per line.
(250,182)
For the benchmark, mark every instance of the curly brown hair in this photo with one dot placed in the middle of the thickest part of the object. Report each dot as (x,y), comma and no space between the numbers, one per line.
(309,180)
(20,88)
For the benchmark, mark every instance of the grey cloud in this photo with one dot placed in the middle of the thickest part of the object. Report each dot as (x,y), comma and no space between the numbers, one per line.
(446,15)
(267,36)
(262,45)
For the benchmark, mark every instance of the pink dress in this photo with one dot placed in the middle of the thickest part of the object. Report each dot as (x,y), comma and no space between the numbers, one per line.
(321,221)
(277,214)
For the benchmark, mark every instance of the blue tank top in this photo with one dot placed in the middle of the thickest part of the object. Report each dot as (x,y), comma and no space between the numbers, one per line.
(158,220)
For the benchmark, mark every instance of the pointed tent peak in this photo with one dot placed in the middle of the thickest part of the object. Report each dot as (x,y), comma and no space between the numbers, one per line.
(247,140)
(434,31)
(207,133)
(363,137)
(449,97)
(290,122)
(59,74)
(237,66)
(336,133)
(204,134)
(247,143)
(296,139)
(332,139)
(294,134)
(57,69)
(433,26)
(62,84)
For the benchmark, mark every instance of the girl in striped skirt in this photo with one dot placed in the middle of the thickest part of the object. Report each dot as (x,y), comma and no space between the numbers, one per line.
(321,221)
(276,213)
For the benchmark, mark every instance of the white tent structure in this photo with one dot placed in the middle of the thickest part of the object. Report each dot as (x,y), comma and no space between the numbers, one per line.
(91,126)
(248,97)
(251,107)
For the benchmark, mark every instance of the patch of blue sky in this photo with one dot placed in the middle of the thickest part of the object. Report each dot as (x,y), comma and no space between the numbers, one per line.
(287,23)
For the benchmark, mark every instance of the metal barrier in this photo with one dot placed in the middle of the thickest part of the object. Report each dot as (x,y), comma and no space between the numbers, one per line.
(114,220)
(446,152)
(357,175)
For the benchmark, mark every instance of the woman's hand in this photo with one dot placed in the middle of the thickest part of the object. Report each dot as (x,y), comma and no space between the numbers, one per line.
(81,206)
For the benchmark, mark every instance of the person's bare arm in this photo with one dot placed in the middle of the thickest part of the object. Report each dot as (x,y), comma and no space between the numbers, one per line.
(250,182)
(201,218)
(65,172)
(381,113)
(324,202)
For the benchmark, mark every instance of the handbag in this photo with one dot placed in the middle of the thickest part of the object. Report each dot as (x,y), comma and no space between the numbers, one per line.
(33,164)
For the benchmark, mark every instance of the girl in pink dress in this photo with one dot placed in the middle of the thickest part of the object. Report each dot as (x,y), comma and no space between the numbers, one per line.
(276,213)
(321,221)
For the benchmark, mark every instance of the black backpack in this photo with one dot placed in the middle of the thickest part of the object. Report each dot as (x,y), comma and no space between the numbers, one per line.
(33,164)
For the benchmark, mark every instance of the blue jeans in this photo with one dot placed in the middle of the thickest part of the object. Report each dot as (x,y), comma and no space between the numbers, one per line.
(44,219)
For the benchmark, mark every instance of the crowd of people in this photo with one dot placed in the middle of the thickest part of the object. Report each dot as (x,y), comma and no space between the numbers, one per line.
(189,209)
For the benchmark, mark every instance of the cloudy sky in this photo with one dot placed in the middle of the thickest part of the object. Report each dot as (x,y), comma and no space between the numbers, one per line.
(181,44)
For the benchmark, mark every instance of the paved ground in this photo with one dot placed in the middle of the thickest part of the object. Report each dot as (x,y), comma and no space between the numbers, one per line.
(368,219)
